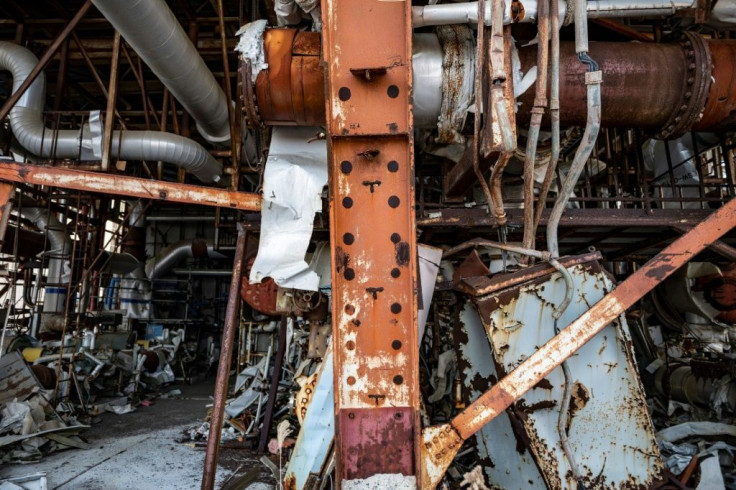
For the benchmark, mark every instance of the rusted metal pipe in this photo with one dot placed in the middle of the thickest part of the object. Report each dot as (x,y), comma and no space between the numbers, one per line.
(540,104)
(47,56)
(112,95)
(441,443)
(554,114)
(480,69)
(644,84)
(122,185)
(273,389)
(501,98)
(232,319)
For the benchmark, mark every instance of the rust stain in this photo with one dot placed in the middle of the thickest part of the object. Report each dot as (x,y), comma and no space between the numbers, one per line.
(402,253)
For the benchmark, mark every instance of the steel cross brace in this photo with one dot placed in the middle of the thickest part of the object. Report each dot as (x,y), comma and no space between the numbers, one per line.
(367,50)
(441,443)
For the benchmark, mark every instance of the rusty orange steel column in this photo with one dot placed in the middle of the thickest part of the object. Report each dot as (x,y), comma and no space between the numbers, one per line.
(367,50)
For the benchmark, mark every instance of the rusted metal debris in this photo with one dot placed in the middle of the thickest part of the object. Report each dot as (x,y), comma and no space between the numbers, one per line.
(128,186)
(441,443)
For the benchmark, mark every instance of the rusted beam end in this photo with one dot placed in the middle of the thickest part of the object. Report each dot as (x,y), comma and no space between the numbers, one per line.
(440,444)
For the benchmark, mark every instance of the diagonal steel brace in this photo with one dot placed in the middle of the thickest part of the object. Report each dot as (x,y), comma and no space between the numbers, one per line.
(441,443)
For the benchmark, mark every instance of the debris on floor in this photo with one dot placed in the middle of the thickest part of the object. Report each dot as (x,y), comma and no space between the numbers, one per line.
(30,427)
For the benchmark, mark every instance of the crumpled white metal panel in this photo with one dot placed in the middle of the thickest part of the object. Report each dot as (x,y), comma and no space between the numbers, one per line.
(318,430)
(506,465)
(609,429)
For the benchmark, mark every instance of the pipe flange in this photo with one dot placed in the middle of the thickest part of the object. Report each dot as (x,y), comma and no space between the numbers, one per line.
(252,116)
(697,86)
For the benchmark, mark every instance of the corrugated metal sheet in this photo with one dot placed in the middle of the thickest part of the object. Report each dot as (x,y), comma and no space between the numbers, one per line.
(16,379)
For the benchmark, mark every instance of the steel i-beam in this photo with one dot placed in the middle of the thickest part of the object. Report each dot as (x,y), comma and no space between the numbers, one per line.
(367,50)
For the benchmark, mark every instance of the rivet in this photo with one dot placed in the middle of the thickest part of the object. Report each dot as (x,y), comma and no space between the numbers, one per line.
(393,201)
(347,202)
(346,167)
(351,415)
(350,345)
(393,166)
(344,94)
(349,274)
(398,415)
(349,309)
(393,91)
(395,237)
(351,380)
(348,238)
(396,344)
(398,379)
(395,308)
(395,272)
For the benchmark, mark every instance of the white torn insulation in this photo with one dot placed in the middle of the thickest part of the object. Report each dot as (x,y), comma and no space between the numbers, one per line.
(250,46)
(296,173)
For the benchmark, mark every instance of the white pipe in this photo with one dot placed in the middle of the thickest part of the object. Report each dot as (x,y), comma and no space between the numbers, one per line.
(155,34)
(467,12)
(59,248)
(26,121)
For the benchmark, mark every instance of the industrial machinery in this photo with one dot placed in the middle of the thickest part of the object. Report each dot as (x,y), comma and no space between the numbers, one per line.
(480,244)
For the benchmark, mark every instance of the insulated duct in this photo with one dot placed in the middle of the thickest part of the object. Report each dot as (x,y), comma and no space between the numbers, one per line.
(134,242)
(151,29)
(59,249)
(26,121)
(467,12)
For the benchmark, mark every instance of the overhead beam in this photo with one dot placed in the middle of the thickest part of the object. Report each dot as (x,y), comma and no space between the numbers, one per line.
(122,185)
(573,218)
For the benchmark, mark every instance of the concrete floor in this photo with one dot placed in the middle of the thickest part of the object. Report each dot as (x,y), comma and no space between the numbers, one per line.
(139,450)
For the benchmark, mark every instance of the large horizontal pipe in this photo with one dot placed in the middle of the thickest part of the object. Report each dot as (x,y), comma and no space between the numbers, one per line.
(657,87)
(156,35)
(649,86)
(467,12)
